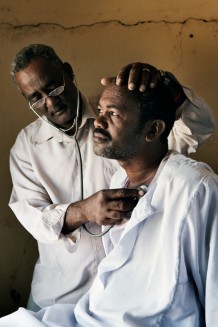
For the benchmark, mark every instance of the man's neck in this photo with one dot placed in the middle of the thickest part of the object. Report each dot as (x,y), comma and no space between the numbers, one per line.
(142,169)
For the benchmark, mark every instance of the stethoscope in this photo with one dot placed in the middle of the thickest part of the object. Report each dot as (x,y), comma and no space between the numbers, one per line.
(74,136)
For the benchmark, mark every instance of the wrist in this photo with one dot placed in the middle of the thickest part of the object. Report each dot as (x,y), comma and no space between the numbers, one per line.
(74,217)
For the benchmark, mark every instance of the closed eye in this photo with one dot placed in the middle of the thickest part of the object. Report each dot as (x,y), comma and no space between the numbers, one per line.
(34,99)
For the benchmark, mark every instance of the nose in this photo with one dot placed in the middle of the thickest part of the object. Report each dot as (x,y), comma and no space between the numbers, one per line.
(50,101)
(101,122)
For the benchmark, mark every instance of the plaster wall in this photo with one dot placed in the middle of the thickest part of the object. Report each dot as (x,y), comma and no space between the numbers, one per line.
(97,37)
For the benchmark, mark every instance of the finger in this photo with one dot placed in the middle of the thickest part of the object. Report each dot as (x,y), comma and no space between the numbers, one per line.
(124,205)
(145,77)
(106,81)
(124,193)
(149,78)
(122,76)
(134,75)
(139,76)
(114,217)
(154,77)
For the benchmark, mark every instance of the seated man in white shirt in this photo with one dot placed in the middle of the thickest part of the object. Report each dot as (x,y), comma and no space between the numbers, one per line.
(161,266)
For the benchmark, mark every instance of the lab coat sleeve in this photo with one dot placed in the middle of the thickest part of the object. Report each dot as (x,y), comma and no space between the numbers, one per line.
(31,203)
(209,252)
(204,254)
(194,124)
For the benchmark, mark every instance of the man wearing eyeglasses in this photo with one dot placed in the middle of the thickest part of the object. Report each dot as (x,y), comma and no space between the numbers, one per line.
(46,172)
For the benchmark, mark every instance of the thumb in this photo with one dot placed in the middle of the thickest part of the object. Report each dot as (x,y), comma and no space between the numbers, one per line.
(106,81)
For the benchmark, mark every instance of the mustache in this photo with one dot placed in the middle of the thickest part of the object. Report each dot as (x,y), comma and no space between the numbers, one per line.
(102,131)
(57,108)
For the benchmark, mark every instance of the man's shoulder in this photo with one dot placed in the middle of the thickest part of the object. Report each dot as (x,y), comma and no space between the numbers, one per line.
(28,133)
(181,181)
(183,168)
(31,128)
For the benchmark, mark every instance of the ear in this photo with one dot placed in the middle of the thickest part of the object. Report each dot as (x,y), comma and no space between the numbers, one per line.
(155,129)
(68,70)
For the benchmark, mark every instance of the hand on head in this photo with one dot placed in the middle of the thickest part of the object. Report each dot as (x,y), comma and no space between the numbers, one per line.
(136,75)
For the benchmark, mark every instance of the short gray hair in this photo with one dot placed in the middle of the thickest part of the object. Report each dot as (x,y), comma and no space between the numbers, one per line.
(33,51)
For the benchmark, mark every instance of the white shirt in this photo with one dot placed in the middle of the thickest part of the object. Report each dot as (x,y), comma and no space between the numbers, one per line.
(163,270)
(46,179)
(45,174)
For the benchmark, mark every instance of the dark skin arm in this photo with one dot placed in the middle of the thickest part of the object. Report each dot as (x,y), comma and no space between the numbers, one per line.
(106,207)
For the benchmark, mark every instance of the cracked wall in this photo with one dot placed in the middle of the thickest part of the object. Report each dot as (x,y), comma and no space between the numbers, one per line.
(97,40)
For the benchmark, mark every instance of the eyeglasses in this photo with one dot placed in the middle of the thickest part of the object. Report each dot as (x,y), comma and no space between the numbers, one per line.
(39,103)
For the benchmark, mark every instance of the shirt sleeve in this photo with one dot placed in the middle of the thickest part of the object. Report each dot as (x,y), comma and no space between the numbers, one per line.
(194,124)
(31,203)
(203,245)
(209,253)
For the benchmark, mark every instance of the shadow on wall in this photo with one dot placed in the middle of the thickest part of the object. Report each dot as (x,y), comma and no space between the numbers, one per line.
(16,269)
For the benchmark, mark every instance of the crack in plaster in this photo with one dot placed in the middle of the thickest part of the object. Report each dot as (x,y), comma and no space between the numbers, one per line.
(119,22)
(203,20)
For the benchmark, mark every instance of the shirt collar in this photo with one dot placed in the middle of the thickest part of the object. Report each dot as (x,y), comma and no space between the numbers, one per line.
(46,132)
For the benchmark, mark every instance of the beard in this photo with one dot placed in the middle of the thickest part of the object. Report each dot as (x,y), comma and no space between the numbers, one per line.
(119,150)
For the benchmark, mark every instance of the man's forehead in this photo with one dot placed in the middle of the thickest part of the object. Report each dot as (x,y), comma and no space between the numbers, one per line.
(38,68)
(41,65)
(115,93)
